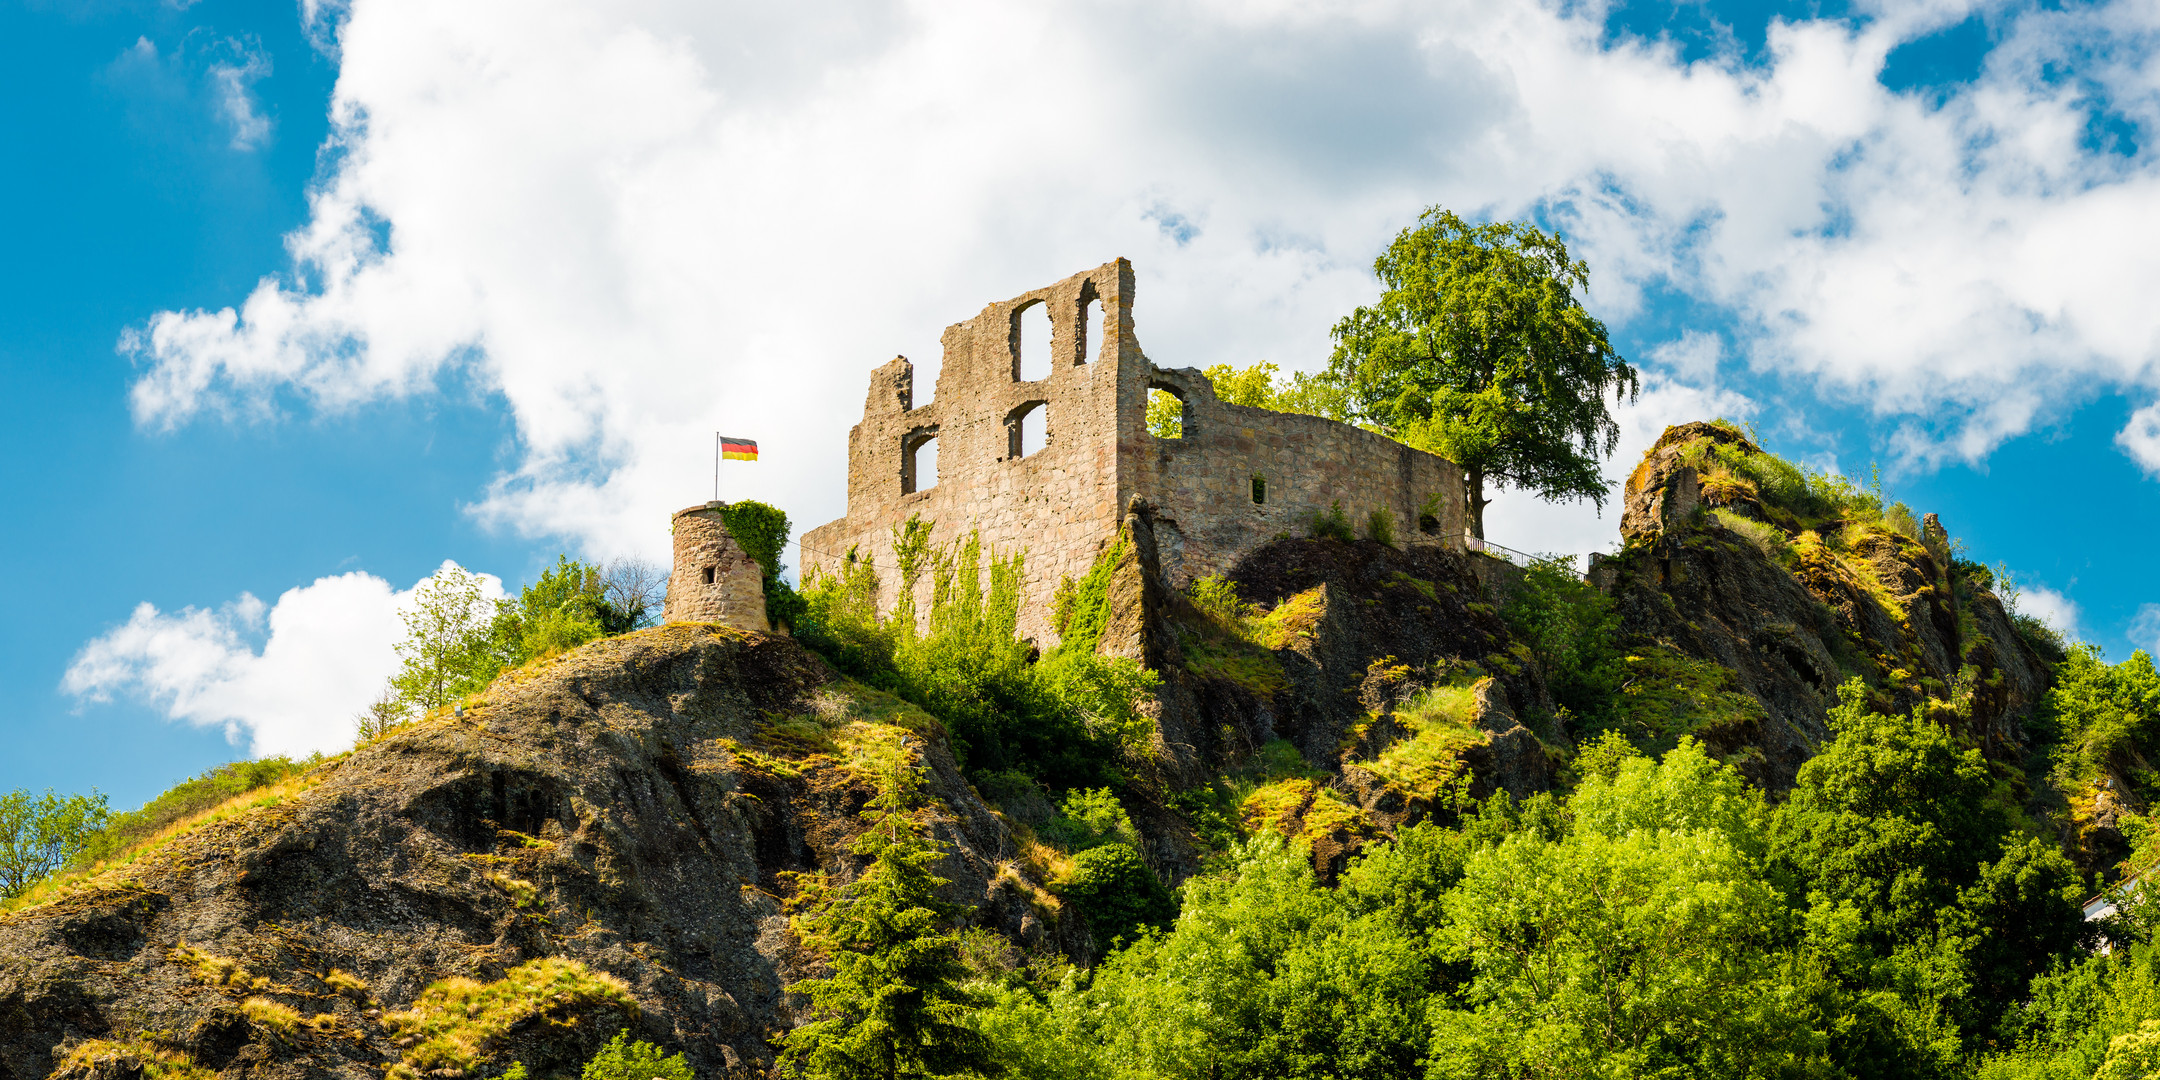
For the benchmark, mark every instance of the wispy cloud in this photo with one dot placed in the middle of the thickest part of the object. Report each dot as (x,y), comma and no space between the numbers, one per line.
(2144,629)
(234,82)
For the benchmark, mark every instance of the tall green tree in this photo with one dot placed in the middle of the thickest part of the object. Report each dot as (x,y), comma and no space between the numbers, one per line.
(1480,350)
(893,1006)
(39,835)
(446,651)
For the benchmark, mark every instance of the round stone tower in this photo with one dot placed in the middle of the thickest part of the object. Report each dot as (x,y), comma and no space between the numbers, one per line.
(714,580)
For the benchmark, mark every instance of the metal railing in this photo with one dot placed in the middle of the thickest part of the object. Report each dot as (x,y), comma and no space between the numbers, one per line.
(1499,551)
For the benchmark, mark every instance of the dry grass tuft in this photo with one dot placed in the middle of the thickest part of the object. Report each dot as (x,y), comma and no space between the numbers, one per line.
(210,969)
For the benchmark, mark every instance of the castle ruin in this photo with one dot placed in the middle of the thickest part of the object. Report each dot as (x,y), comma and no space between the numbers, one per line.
(1236,478)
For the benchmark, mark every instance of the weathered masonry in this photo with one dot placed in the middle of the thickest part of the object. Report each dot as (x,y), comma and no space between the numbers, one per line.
(1236,478)
(713,579)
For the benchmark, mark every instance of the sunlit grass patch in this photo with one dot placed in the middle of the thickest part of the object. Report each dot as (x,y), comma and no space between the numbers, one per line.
(110,1056)
(455,1022)
(109,873)
(1293,620)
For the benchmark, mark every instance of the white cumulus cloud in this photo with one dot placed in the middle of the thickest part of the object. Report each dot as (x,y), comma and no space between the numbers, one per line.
(326,650)
(2140,438)
(643,223)
(2051,607)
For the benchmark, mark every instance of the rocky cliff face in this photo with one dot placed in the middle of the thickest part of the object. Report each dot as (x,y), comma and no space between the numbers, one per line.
(1717,570)
(633,807)
(1353,632)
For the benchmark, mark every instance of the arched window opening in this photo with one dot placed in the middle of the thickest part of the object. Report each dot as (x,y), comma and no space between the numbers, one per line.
(918,462)
(1259,490)
(1033,361)
(1166,413)
(709,574)
(1090,310)
(1027,429)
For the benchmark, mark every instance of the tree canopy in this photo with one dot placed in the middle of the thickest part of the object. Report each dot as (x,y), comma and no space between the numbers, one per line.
(1479,350)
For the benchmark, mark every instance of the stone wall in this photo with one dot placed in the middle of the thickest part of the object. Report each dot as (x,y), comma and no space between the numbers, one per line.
(713,579)
(1062,503)
(1239,477)
(1058,503)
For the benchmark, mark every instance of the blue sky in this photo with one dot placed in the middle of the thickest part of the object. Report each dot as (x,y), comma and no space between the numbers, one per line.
(552,247)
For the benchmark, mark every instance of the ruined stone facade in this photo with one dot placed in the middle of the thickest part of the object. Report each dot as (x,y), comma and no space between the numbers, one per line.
(713,579)
(1237,478)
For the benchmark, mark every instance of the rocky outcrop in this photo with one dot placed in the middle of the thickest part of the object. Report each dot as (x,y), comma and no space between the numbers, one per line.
(635,806)
(1792,619)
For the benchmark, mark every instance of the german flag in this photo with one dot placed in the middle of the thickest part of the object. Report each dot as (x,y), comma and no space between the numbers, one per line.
(738,449)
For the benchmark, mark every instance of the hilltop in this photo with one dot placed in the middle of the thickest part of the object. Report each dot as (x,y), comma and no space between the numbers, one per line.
(617,836)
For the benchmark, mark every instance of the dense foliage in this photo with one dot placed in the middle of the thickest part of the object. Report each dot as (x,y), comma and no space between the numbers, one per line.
(43,833)
(1064,719)
(1479,349)
(893,1004)
(457,641)
(1660,920)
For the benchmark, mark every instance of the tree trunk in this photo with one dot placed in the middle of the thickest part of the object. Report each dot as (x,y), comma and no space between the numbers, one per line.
(1474,500)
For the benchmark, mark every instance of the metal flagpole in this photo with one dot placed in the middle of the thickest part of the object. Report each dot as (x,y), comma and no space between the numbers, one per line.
(716,466)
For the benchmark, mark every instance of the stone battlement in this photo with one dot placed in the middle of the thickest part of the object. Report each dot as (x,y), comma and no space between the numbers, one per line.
(1237,478)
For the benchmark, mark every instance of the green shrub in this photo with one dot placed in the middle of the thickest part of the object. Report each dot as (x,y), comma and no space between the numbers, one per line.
(1573,635)
(1090,818)
(622,1059)
(1061,720)
(1217,597)
(1332,524)
(1900,520)
(186,799)
(1115,891)
(1380,525)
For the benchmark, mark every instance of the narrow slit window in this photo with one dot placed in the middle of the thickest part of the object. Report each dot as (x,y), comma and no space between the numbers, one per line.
(1259,490)
(709,575)
(1090,310)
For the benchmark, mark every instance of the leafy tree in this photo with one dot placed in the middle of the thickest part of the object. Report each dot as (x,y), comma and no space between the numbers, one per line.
(1644,941)
(622,1059)
(380,717)
(2102,714)
(446,648)
(1479,350)
(893,1005)
(40,835)
(564,609)
(1267,974)
(1165,414)
(1573,634)
(2023,917)
(1262,386)
(1892,818)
